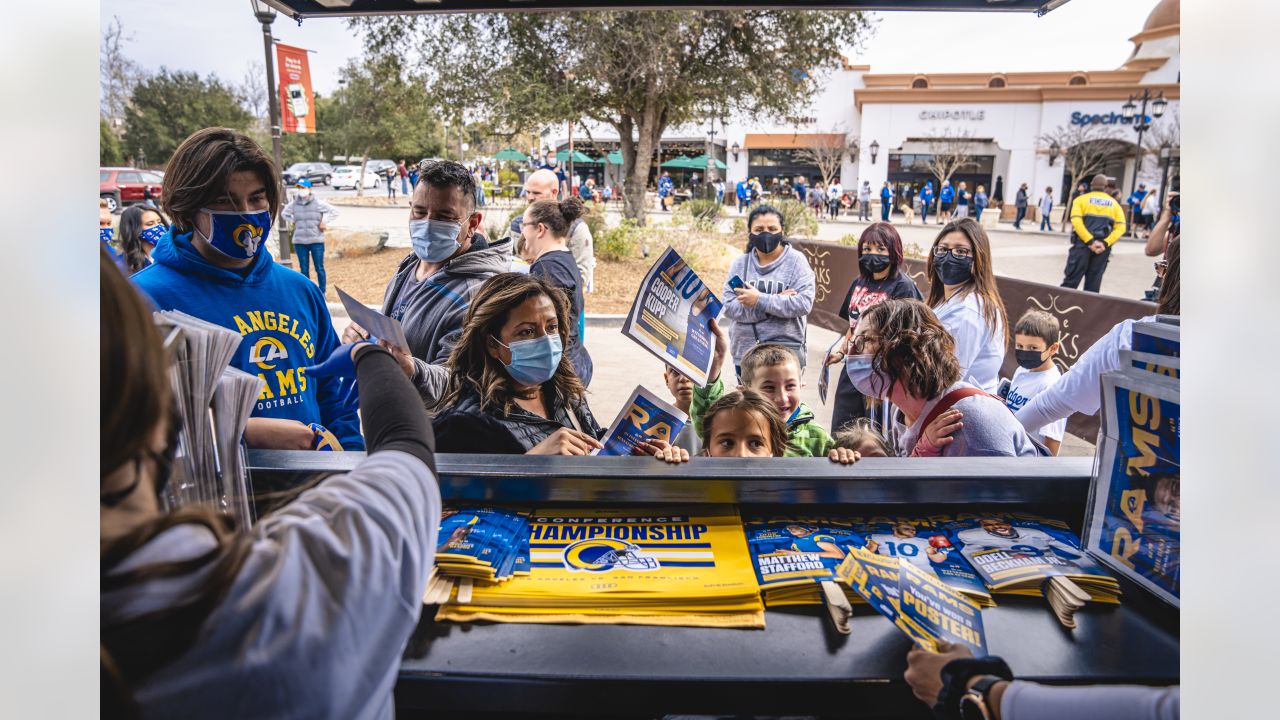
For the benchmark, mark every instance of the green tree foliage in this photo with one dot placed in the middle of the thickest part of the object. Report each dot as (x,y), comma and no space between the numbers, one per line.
(637,72)
(108,145)
(169,106)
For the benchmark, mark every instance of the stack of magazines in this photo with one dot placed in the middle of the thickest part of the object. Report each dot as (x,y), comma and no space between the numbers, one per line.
(213,402)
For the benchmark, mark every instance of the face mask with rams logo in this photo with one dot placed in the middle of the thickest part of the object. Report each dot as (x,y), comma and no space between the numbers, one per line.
(238,235)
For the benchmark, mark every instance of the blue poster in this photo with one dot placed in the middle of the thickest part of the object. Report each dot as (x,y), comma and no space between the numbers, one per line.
(645,418)
(671,316)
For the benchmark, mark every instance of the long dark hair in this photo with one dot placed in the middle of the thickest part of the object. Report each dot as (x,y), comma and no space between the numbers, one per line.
(914,349)
(130,235)
(1168,301)
(471,367)
(199,169)
(983,281)
(886,235)
(135,400)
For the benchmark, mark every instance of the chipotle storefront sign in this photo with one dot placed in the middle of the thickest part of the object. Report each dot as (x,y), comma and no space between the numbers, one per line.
(1084,317)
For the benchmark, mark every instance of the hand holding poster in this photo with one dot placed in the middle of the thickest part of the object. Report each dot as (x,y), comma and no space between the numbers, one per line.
(378,326)
(644,418)
(671,317)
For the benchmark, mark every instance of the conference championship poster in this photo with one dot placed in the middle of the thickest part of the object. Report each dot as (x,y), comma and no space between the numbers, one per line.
(671,316)
(644,418)
(1134,522)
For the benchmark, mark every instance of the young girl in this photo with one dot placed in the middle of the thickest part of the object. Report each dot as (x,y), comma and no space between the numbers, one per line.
(141,227)
(963,294)
(743,424)
(860,436)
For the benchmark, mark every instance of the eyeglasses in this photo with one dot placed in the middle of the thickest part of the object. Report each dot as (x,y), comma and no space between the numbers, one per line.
(960,252)
(1161,266)
(859,343)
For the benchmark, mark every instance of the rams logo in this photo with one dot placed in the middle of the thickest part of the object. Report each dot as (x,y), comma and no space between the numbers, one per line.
(266,352)
(604,554)
(247,236)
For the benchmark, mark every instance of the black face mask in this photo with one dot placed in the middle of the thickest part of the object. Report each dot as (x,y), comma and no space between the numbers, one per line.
(874,263)
(764,242)
(1029,359)
(953,270)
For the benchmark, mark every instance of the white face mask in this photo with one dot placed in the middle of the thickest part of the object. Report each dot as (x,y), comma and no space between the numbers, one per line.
(304,193)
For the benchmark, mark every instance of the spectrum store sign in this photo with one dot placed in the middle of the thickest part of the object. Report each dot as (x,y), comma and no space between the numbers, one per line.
(1112,118)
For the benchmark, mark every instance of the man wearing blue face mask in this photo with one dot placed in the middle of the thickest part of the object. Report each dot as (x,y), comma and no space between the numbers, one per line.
(434,285)
(213,264)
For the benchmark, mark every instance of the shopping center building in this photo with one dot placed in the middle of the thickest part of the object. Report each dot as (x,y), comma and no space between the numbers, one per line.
(889,123)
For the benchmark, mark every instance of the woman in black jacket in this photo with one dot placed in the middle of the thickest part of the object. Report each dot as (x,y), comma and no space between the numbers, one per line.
(512,389)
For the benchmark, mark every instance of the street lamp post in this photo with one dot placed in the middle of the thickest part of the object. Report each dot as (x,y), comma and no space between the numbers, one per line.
(1166,156)
(1142,124)
(267,15)
(711,158)
(569,76)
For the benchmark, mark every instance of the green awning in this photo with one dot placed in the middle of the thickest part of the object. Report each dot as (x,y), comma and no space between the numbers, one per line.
(615,157)
(683,163)
(579,158)
(701,160)
(511,154)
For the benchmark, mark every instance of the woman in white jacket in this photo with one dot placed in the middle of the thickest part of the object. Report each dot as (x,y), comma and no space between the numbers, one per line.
(963,294)
(304,615)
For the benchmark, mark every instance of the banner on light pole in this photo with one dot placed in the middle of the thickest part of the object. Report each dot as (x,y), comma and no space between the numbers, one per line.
(297,108)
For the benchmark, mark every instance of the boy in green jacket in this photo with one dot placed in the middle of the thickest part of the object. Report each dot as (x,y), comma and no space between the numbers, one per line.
(773,371)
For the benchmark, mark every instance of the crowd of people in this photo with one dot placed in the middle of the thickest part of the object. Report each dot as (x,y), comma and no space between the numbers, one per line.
(495,364)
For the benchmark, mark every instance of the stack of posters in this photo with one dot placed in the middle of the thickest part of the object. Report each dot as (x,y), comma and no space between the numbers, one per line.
(919,542)
(1133,523)
(650,566)
(926,609)
(481,542)
(671,317)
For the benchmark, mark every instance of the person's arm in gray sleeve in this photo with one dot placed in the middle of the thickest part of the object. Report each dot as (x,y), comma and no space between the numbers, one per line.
(791,306)
(327,211)
(1032,701)
(430,381)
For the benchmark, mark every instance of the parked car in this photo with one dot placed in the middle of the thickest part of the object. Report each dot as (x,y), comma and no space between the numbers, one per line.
(316,172)
(344,177)
(379,166)
(124,186)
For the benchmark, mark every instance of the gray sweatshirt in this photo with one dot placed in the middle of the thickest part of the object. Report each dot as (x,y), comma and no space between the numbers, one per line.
(776,317)
(432,310)
(989,430)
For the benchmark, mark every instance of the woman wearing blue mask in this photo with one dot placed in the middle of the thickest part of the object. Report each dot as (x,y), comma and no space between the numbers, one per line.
(213,264)
(545,230)
(963,294)
(512,388)
(141,228)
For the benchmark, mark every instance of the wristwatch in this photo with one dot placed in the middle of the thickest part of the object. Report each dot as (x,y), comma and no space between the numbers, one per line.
(973,704)
(955,677)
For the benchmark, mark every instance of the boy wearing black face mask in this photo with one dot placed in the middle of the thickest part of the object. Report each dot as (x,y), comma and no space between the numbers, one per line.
(1035,343)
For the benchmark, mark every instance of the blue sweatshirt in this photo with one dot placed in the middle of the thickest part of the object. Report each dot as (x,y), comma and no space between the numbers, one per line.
(282,318)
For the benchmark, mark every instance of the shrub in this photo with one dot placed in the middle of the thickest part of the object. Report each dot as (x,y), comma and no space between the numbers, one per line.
(851,240)
(595,219)
(797,219)
(618,242)
(701,214)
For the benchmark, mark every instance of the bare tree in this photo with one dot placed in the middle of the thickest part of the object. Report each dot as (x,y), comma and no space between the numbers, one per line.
(117,74)
(826,151)
(949,152)
(1085,150)
(252,92)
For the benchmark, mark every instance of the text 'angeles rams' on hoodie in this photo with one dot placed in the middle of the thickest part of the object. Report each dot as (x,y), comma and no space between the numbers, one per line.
(282,319)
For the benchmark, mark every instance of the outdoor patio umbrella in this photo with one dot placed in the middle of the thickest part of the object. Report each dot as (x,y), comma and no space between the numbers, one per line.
(579,158)
(683,163)
(511,154)
(701,162)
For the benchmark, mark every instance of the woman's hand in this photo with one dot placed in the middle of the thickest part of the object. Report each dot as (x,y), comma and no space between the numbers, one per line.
(721,350)
(844,456)
(663,450)
(748,295)
(403,358)
(354,333)
(924,669)
(278,434)
(566,441)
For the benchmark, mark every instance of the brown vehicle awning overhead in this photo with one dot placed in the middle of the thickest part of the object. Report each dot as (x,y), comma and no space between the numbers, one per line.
(787,141)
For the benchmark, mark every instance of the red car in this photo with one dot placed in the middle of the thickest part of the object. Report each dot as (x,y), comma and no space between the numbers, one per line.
(123,186)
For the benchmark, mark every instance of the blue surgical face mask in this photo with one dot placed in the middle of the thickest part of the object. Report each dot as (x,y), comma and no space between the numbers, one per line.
(153,234)
(534,362)
(434,240)
(865,378)
(106,234)
(238,235)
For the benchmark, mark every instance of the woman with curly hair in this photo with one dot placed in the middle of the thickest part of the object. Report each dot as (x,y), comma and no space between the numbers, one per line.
(903,353)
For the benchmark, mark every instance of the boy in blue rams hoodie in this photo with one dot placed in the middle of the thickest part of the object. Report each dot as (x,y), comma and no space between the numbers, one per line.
(213,264)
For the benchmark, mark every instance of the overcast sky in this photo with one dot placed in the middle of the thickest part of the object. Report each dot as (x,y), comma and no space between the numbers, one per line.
(222,37)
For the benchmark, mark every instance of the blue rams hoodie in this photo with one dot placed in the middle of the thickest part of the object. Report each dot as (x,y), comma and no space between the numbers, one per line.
(281,316)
